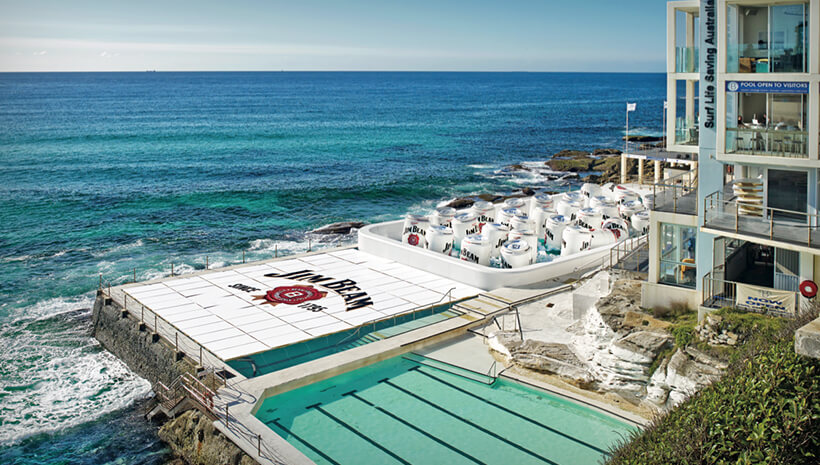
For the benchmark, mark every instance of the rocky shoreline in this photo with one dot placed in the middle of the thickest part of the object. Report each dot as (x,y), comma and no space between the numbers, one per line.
(617,348)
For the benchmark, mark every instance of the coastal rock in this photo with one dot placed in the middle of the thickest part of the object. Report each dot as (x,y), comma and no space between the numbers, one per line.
(461,202)
(641,346)
(640,138)
(602,152)
(571,154)
(492,198)
(686,372)
(516,167)
(528,191)
(344,227)
(713,331)
(193,437)
(542,357)
(572,165)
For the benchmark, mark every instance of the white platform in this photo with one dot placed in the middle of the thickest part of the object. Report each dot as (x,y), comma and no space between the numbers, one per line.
(229,314)
(384,240)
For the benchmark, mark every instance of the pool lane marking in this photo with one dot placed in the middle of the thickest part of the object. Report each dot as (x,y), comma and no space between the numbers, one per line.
(511,412)
(414,427)
(353,430)
(464,420)
(303,441)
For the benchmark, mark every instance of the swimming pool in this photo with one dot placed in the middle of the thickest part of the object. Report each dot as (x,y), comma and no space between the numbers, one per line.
(406,410)
(283,357)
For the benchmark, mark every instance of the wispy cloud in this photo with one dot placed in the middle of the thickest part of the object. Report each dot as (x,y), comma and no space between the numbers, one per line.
(280,49)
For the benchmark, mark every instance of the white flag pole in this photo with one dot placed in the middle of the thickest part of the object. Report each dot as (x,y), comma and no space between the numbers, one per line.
(626,140)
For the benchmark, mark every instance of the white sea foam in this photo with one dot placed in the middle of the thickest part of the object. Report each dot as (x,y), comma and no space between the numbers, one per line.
(54,376)
(118,248)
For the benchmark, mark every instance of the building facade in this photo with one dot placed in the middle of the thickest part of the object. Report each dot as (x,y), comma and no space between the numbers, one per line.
(743,92)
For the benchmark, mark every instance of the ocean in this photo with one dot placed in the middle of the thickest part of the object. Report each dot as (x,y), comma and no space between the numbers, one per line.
(115,175)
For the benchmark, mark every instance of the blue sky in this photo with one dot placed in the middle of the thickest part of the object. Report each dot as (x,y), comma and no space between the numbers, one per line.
(546,35)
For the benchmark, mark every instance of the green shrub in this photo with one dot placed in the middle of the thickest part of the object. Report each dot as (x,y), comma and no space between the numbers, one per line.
(766,409)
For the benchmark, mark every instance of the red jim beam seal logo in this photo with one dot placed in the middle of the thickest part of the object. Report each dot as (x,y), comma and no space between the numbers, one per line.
(413,239)
(291,295)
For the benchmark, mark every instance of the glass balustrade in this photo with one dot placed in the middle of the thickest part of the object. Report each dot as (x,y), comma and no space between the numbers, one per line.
(785,142)
(686,60)
(686,132)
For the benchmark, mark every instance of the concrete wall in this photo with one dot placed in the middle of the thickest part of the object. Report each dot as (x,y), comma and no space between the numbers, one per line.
(192,436)
(663,295)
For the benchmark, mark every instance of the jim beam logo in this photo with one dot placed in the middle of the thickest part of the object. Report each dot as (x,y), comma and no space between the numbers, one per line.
(352,294)
(413,232)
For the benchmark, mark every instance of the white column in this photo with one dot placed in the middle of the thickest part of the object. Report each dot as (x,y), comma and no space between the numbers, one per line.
(624,168)
(640,170)
(658,173)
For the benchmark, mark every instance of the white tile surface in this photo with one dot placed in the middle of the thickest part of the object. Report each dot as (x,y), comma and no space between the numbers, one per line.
(233,322)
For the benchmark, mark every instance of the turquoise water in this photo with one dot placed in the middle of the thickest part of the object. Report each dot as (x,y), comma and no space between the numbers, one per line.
(108,173)
(408,411)
(294,354)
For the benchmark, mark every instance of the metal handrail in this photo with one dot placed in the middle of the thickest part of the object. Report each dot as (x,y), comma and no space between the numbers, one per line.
(728,294)
(716,202)
(679,187)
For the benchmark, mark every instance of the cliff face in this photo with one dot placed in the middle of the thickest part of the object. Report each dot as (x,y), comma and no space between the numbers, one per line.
(194,439)
(614,347)
(191,435)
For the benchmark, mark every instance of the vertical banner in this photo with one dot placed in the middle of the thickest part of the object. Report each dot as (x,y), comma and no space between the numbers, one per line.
(763,299)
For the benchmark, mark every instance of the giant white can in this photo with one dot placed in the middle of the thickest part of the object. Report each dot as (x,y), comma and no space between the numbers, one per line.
(528,236)
(521,221)
(475,248)
(554,231)
(617,224)
(630,208)
(602,237)
(440,239)
(569,207)
(443,216)
(543,202)
(640,222)
(506,215)
(590,218)
(539,219)
(515,254)
(484,212)
(575,239)
(497,235)
(414,231)
(464,224)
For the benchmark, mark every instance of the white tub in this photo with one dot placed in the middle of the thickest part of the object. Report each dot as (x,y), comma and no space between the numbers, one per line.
(384,240)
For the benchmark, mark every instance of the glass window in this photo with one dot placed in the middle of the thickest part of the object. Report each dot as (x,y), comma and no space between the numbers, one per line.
(677,265)
(767,124)
(767,39)
(686,107)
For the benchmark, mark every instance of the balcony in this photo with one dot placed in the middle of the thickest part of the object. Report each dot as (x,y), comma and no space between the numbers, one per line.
(724,214)
(719,293)
(686,132)
(686,60)
(678,194)
(785,143)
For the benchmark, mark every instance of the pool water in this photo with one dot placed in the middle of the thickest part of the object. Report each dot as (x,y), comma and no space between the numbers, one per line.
(295,354)
(407,410)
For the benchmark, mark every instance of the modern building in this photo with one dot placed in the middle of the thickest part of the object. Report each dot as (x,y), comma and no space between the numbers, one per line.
(743,92)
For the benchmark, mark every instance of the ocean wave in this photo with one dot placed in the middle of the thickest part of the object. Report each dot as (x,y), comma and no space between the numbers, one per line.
(118,248)
(54,376)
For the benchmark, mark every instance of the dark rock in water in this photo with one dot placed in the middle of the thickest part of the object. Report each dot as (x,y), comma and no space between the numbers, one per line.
(343,227)
(571,154)
(492,198)
(572,165)
(599,152)
(637,138)
(516,167)
(460,203)
(528,191)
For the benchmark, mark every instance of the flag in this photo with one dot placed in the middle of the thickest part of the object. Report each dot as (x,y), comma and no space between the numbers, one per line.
(631,106)
(665,104)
